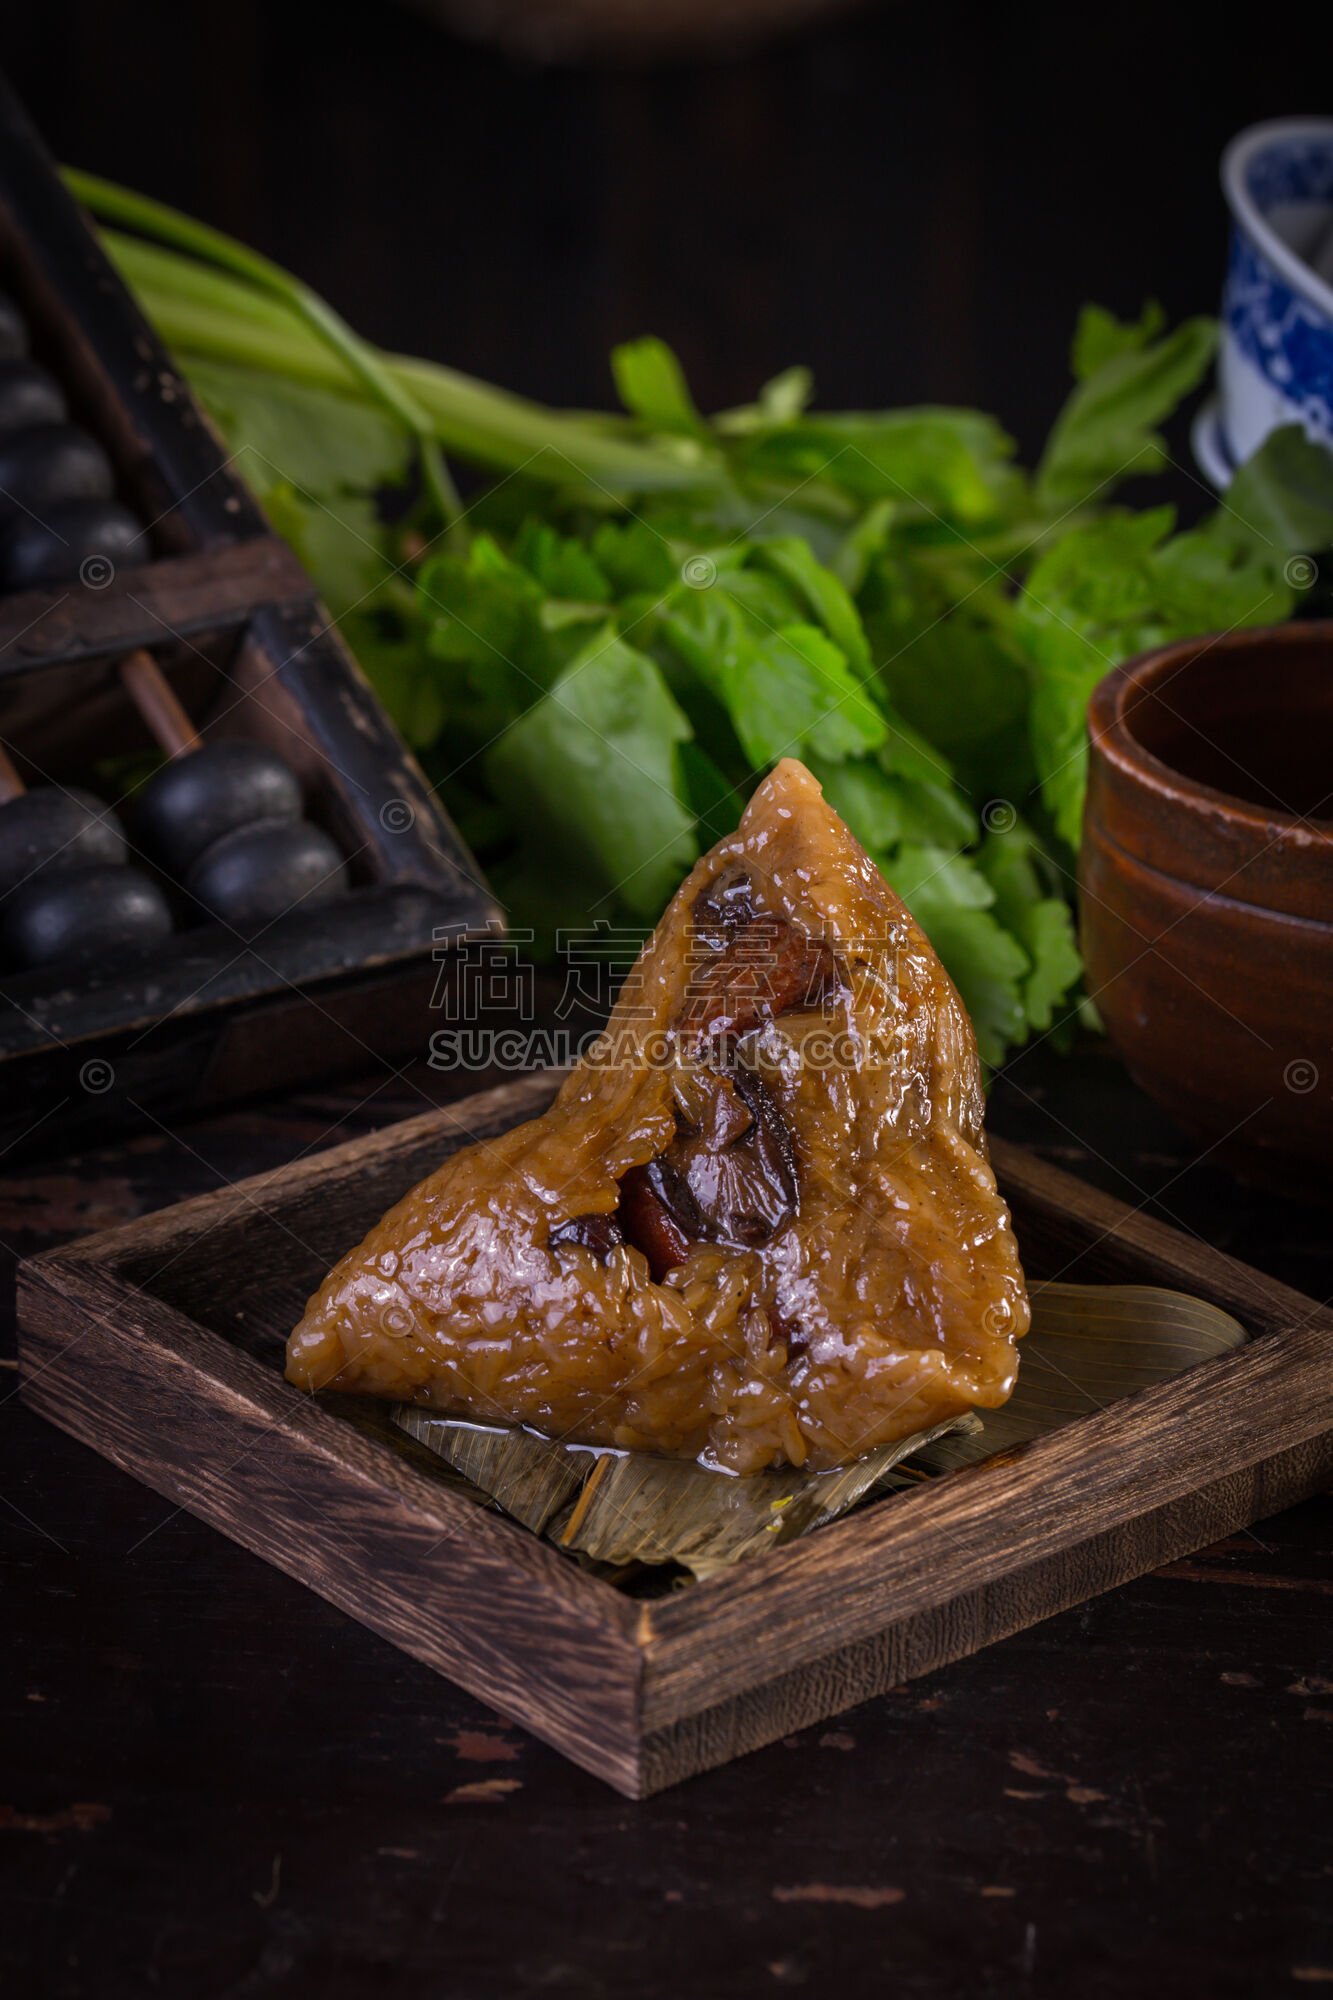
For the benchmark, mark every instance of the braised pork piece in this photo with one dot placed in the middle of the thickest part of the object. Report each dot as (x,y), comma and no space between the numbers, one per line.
(756,1226)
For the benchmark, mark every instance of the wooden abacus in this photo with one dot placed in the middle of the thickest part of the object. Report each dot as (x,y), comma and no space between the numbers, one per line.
(292,875)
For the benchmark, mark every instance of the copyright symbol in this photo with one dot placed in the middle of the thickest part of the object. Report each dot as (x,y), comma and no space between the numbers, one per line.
(698,572)
(1301,1076)
(397,815)
(999,816)
(96,572)
(97,1076)
(1301,572)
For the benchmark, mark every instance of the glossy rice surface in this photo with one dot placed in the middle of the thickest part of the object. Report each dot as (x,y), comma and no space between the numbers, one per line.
(856,1279)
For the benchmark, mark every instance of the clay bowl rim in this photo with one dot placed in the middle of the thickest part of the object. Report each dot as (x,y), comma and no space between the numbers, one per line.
(1112,737)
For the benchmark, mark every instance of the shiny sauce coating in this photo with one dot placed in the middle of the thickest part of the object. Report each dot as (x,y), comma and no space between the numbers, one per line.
(757,1226)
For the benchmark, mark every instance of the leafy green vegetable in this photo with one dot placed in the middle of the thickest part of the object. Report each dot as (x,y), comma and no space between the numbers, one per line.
(652,385)
(942,636)
(789,692)
(1283,495)
(1133,381)
(1111,588)
(937,462)
(954,903)
(1099,336)
(592,769)
(1029,903)
(318,460)
(601,657)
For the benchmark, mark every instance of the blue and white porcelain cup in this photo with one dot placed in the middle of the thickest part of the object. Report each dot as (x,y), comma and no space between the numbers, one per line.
(1276,360)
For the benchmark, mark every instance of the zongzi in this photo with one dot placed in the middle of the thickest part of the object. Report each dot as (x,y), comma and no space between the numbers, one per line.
(756,1226)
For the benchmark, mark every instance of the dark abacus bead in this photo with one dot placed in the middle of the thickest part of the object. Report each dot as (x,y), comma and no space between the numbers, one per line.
(87,915)
(13,329)
(28,395)
(189,804)
(37,554)
(261,872)
(47,464)
(50,831)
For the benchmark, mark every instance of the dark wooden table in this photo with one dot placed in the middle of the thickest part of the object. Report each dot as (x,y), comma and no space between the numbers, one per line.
(215,1784)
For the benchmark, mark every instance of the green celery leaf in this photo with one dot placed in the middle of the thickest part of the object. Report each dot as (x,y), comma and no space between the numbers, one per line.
(1088,604)
(951,900)
(557,613)
(716,803)
(651,384)
(951,667)
(934,873)
(479,605)
(937,810)
(1283,495)
(1110,589)
(882,807)
(1099,337)
(823,594)
(786,395)
(635,557)
(1106,431)
(318,462)
(542,895)
(607,696)
(1210,580)
(561,564)
(863,544)
(487,625)
(387,646)
(936,814)
(1070,670)
(282,431)
(798,695)
(1046,931)
(768,597)
(935,461)
(788,690)
(591,778)
(870,801)
(1028,904)
(779,402)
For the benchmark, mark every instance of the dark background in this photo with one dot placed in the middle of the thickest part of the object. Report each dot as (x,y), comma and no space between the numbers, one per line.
(216,1785)
(914,199)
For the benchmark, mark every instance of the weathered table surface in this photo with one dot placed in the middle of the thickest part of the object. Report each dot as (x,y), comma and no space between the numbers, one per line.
(216,1784)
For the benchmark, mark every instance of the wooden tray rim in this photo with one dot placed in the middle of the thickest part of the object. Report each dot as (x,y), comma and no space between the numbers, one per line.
(915,1553)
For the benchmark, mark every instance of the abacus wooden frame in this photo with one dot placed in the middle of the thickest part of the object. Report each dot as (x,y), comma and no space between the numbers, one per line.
(210,1016)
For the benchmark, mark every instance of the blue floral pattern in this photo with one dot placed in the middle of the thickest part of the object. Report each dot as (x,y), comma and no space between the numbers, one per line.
(1287,338)
(1291,170)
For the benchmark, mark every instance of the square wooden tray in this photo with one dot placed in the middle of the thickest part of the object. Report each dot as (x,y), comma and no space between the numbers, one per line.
(161,1345)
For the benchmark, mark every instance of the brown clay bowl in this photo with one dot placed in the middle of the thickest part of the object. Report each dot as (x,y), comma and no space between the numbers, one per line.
(1206,891)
